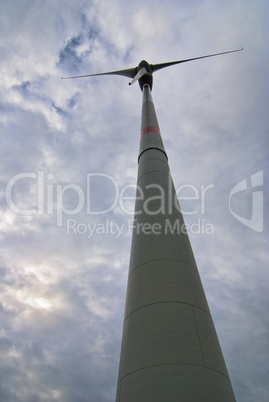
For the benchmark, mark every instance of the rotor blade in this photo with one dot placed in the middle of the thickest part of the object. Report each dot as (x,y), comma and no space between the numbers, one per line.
(140,74)
(156,67)
(130,72)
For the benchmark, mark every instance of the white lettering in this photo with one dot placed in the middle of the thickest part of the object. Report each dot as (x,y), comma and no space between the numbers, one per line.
(9,192)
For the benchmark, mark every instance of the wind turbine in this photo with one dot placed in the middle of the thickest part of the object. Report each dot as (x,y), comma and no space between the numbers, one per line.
(170,350)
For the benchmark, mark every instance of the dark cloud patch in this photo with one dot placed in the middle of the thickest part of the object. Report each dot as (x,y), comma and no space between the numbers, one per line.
(31,91)
(6,107)
(93,33)
(69,57)
(72,102)
(23,88)
(58,109)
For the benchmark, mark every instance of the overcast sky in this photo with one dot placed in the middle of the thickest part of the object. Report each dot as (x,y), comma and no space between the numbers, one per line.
(69,144)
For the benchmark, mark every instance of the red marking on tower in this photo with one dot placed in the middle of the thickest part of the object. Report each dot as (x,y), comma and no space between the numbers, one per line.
(150,130)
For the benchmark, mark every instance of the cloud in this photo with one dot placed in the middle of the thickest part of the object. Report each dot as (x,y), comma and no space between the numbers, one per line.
(63,292)
(69,55)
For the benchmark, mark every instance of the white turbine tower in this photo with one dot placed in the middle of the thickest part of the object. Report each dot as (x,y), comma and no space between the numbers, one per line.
(170,350)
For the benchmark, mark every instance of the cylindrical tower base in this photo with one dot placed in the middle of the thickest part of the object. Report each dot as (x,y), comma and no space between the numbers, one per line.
(170,350)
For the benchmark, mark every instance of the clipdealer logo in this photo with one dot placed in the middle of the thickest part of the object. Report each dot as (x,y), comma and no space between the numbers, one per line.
(49,198)
(255,222)
(43,197)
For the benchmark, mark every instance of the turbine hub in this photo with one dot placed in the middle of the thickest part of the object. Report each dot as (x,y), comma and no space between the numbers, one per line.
(146,78)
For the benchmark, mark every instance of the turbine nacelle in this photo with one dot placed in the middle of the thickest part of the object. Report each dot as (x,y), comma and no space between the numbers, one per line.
(143,75)
(144,71)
